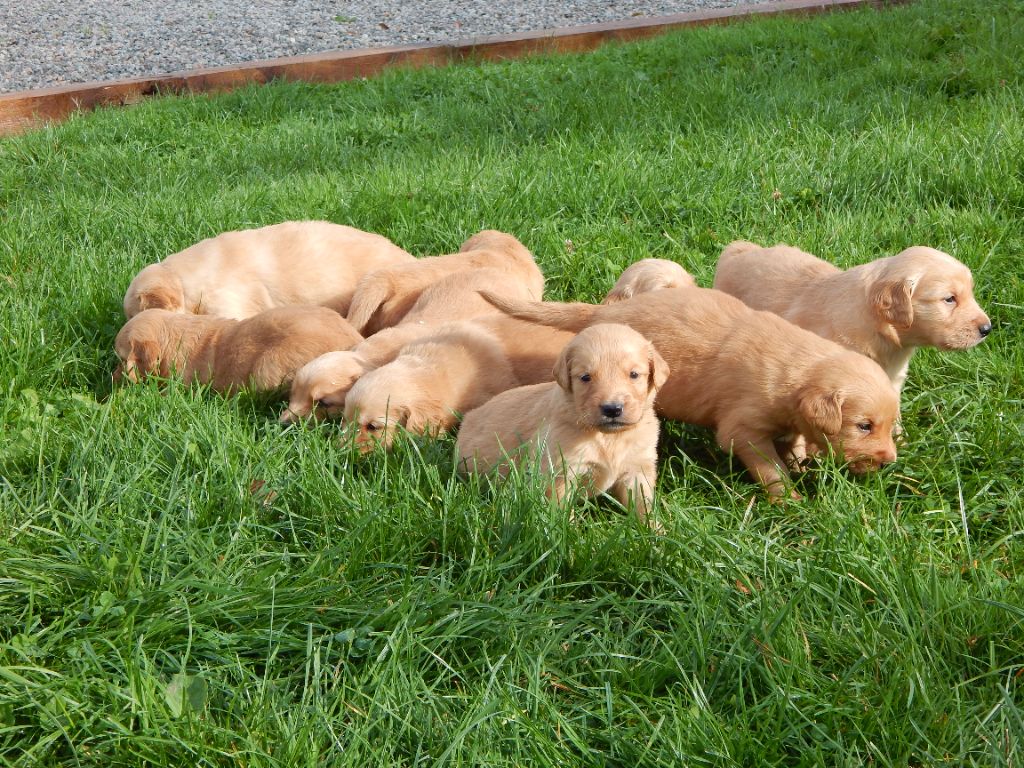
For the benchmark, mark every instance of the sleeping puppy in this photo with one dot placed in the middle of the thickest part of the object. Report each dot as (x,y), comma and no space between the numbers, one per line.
(885,309)
(594,425)
(752,376)
(320,386)
(261,353)
(648,275)
(239,274)
(427,388)
(384,297)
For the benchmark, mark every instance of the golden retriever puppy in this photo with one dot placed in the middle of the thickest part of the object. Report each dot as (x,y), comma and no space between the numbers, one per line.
(648,275)
(262,352)
(239,274)
(593,426)
(384,297)
(427,388)
(752,376)
(885,309)
(320,386)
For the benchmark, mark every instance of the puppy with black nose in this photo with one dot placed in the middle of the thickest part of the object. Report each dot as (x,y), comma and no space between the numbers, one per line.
(594,426)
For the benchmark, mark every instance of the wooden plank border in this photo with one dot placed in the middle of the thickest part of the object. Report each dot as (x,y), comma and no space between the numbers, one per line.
(24,110)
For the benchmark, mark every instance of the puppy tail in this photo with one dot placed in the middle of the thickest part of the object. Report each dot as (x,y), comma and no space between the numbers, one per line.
(566,316)
(370,295)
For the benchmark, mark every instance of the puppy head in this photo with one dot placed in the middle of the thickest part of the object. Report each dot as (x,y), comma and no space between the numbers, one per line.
(648,275)
(850,403)
(155,287)
(140,346)
(925,297)
(388,399)
(320,386)
(612,375)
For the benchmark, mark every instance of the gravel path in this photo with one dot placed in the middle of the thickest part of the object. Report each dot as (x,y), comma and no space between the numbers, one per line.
(49,42)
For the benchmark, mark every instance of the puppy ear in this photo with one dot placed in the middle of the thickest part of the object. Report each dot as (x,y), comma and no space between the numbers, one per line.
(160,297)
(143,359)
(823,408)
(658,369)
(618,294)
(891,300)
(429,416)
(563,370)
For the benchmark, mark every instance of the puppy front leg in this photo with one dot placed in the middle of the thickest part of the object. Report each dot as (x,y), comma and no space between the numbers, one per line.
(636,489)
(758,454)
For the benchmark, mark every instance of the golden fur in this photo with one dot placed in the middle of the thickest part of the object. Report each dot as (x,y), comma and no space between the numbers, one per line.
(457,296)
(885,309)
(648,275)
(593,426)
(239,274)
(320,386)
(427,388)
(262,352)
(752,376)
(384,297)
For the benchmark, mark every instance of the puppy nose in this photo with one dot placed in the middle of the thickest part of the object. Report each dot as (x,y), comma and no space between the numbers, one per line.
(611,410)
(985,329)
(886,457)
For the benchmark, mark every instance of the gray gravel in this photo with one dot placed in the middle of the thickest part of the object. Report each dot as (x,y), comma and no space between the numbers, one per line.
(48,43)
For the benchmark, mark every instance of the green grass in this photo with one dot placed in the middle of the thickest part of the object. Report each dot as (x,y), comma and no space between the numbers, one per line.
(185,582)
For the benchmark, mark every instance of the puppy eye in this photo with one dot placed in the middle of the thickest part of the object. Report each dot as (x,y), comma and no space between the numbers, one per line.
(865,426)
(950,299)
(585,378)
(634,375)
(371,427)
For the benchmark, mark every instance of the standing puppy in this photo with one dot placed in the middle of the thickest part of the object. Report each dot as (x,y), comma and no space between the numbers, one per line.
(262,352)
(594,425)
(752,376)
(239,274)
(885,309)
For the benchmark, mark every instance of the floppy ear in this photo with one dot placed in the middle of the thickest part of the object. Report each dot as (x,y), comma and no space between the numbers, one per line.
(143,359)
(891,300)
(823,408)
(160,297)
(430,416)
(618,294)
(658,370)
(563,370)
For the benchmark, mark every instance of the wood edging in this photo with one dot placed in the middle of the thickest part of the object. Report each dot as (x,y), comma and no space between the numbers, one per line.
(24,110)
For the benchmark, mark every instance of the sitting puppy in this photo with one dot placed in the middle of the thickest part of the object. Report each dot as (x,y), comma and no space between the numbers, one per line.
(427,388)
(384,297)
(261,353)
(320,386)
(752,376)
(885,309)
(594,425)
(239,274)
(648,275)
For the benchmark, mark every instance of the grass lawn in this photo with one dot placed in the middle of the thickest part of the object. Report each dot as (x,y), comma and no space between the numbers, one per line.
(184,582)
